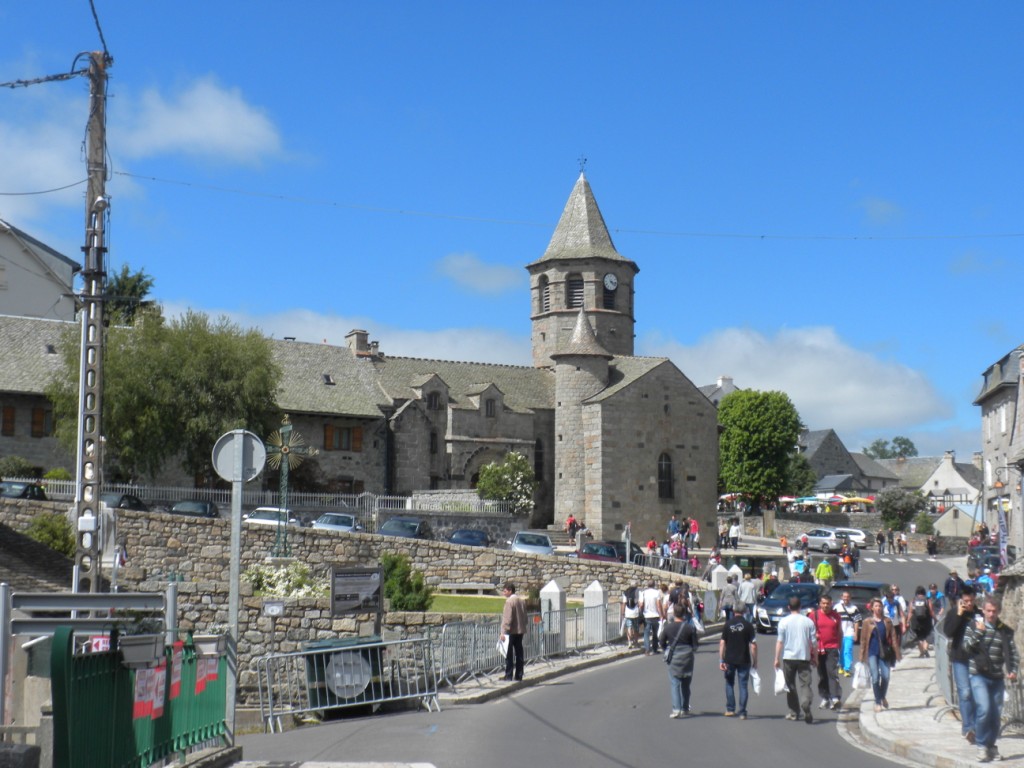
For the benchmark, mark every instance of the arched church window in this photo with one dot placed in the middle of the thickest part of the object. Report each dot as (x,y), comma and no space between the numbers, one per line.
(665,476)
(434,401)
(574,291)
(545,294)
(538,460)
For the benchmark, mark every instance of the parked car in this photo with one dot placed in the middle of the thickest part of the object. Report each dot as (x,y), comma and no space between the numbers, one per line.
(116,500)
(978,557)
(634,551)
(337,521)
(531,543)
(407,528)
(195,508)
(271,516)
(768,613)
(471,537)
(861,593)
(855,535)
(599,550)
(823,539)
(17,489)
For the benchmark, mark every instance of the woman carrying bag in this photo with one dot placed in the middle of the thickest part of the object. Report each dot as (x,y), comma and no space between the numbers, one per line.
(880,650)
(680,649)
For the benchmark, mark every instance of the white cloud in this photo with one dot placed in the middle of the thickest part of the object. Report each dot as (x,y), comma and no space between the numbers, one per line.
(880,211)
(476,276)
(204,119)
(831,384)
(482,345)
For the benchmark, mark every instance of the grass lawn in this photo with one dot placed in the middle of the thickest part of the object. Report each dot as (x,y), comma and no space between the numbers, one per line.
(445,603)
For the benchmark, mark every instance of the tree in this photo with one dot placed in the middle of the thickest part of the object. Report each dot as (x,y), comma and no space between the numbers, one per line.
(800,477)
(898,506)
(170,390)
(900,448)
(511,481)
(759,436)
(126,295)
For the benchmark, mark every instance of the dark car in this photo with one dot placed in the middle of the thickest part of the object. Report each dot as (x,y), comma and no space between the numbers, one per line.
(195,508)
(768,614)
(124,501)
(17,489)
(599,550)
(981,556)
(471,537)
(407,528)
(861,593)
(636,554)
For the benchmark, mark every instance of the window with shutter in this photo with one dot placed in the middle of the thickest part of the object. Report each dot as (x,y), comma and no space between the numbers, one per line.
(574,291)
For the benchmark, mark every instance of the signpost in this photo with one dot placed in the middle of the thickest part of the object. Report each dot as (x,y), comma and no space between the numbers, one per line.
(238,457)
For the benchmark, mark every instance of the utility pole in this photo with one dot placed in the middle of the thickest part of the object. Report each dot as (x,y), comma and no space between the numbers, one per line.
(89,473)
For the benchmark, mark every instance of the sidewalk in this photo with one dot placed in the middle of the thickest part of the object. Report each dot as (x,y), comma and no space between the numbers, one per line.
(918,726)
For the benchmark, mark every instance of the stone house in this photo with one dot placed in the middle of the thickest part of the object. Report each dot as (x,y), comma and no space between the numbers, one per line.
(613,438)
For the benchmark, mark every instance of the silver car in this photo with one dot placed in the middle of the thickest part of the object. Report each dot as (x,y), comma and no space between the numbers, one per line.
(532,543)
(855,535)
(337,521)
(270,516)
(823,539)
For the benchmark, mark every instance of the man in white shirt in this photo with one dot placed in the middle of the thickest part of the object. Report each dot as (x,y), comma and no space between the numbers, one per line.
(650,606)
(747,594)
(797,644)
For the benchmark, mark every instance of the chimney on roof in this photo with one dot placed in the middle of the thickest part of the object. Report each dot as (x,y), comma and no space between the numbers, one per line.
(976,459)
(357,342)
(949,456)
(724,381)
(374,348)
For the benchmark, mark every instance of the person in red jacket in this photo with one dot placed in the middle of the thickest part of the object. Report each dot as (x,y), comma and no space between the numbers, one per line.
(828,625)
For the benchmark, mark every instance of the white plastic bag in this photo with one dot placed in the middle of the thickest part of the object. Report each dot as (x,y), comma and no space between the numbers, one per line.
(755,681)
(780,682)
(860,676)
(698,625)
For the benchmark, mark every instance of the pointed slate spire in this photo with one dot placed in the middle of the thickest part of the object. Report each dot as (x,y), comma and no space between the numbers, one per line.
(583,341)
(581,232)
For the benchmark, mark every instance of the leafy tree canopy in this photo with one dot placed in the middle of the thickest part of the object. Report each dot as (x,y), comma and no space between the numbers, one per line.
(759,437)
(512,481)
(171,388)
(126,294)
(800,477)
(900,448)
(898,506)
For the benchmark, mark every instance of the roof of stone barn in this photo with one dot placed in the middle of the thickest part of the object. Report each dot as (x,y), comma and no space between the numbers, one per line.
(29,566)
(871,468)
(1002,373)
(912,472)
(811,440)
(523,388)
(30,352)
(320,378)
(581,232)
(623,371)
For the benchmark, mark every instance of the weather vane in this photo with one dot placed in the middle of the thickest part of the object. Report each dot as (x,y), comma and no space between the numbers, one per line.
(583,163)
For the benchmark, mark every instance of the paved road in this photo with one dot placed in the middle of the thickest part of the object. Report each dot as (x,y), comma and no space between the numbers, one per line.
(615,715)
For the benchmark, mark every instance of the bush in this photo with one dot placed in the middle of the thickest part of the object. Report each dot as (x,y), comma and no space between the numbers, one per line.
(58,473)
(15,466)
(924,522)
(404,587)
(54,530)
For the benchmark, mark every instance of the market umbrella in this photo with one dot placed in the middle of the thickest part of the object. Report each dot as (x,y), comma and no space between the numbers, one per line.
(857,500)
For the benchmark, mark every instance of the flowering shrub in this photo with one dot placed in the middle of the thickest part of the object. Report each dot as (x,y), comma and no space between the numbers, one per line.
(511,481)
(292,580)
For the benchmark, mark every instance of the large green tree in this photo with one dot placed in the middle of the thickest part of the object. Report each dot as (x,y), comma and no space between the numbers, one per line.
(898,506)
(171,388)
(126,293)
(900,448)
(759,437)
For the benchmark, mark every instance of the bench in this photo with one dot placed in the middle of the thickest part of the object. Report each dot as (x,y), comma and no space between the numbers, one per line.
(470,587)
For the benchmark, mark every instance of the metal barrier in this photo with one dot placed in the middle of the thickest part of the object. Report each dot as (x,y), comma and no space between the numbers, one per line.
(342,674)
(103,715)
(944,673)
(468,649)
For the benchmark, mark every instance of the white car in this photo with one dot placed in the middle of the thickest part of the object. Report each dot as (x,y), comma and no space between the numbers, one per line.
(531,543)
(270,516)
(337,521)
(856,535)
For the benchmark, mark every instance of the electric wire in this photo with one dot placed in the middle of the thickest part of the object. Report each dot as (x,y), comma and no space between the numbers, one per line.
(43,191)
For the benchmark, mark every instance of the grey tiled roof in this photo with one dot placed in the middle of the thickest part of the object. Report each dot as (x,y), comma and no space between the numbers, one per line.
(912,472)
(354,393)
(811,440)
(871,468)
(1001,374)
(524,389)
(581,232)
(623,371)
(26,364)
(583,340)
(25,236)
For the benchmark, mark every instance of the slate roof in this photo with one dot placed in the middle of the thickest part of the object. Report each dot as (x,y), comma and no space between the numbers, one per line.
(583,340)
(26,362)
(1003,373)
(524,388)
(912,472)
(812,440)
(355,391)
(871,468)
(581,232)
(623,371)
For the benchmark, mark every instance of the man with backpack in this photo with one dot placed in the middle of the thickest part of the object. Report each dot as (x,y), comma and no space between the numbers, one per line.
(629,615)
(828,628)
(921,620)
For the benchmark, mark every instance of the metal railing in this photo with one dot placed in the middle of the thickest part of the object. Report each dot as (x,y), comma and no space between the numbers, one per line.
(333,676)
(101,717)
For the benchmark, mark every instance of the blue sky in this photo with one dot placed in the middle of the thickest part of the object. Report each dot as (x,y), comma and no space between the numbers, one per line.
(822,198)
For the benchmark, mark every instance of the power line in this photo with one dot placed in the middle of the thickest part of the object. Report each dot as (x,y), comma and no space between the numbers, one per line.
(99,29)
(43,191)
(618,230)
(45,79)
